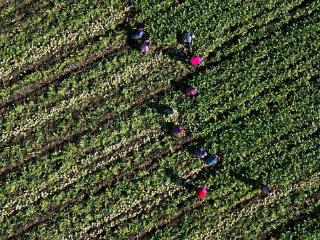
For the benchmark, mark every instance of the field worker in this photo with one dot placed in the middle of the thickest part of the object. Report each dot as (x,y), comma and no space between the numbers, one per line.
(196,60)
(200,153)
(178,131)
(191,91)
(187,40)
(144,46)
(202,192)
(138,34)
(212,160)
(267,189)
(169,111)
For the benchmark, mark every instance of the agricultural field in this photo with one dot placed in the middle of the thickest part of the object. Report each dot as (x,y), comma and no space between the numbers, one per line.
(86,151)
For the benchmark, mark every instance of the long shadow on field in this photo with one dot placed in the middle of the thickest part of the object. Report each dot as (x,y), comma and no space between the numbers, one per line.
(176,54)
(179,86)
(158,107)
(179,36)
(166,127)
(241,175)
(205,174)
(174,177)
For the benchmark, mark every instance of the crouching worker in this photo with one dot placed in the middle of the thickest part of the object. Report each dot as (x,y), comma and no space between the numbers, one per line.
(202,192)
(187,40)
(139,40)
(191,91)
(178,131)
(212,160)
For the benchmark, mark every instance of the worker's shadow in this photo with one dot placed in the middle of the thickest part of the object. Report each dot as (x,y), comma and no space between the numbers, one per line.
(179,35)
(132,44)
(158,107)
(242,175)
(206,172)
(173,176)
(192,148)
(176,54)
(179,86)
(166,127)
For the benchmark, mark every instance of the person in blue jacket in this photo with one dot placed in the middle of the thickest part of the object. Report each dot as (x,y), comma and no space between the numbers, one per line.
(212,160)
(138,34)
(169,111)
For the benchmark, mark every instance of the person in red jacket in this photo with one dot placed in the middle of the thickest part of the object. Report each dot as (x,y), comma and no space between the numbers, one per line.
(202,192)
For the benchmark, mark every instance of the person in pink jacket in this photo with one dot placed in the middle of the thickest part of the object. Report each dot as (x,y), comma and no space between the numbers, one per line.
(196,60)
(144,46)
(191,91)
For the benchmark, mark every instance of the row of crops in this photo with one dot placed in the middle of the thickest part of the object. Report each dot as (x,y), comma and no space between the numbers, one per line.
(84,146)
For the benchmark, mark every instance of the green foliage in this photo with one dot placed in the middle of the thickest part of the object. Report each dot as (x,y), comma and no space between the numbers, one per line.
(86,150)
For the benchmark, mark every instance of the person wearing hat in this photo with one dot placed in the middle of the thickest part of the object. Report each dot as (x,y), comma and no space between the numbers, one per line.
(187,40)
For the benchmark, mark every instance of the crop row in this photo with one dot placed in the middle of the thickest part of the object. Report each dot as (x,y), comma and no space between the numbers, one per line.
(53,77)
(63,58)
(296,212)
(83,99)
(271,215)
(199,222)
(226,25)
(140,185)
(305,225)
(290,157)
(156,225)
(66,50)
(94,127)
(41,43)
(68,170)
(21,15)
(277,96)
(8,9)
(89,97)
(147,163)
